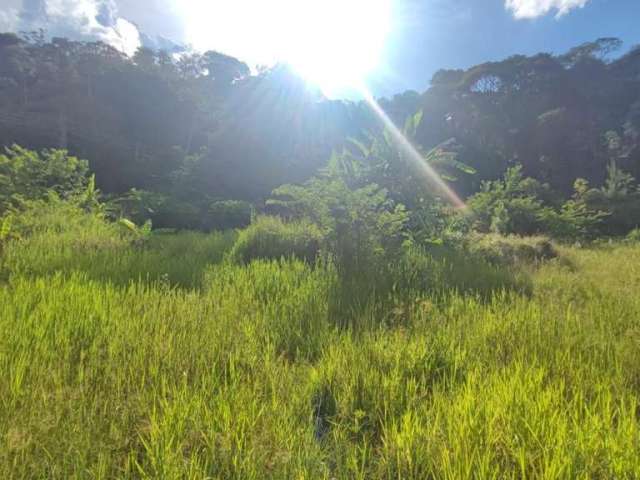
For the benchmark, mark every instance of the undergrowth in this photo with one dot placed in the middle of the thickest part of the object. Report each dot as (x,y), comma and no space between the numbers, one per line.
(164,360)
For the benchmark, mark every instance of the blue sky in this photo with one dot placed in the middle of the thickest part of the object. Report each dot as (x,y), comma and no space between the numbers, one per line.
(425,35)
(461,33)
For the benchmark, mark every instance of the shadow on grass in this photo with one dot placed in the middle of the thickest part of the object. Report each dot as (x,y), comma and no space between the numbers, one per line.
(436,272)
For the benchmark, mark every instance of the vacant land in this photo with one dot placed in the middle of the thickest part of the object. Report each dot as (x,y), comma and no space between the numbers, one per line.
(166,361)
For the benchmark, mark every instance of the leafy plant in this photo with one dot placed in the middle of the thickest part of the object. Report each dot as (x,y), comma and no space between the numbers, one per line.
(28,175)
(229,214)
(140,233)
(511,205)
(359,222)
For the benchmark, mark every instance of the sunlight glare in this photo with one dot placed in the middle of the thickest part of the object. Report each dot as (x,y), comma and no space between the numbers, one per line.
(421,166)
(332,43)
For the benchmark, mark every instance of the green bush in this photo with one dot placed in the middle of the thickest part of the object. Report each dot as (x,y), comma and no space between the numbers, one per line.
(362,227)
(164,211)
(519,216)
(512,249)
(619,201)
(272,238)
(634,235)
(511,205)
(27,175)
(229,214)
(517,205)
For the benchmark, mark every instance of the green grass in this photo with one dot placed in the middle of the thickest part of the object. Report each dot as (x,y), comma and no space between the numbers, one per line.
(61,238)
(163,361)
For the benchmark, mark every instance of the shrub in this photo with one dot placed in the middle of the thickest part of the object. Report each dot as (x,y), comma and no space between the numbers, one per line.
(137,205)
(616,204)
(519,216)
(229,214)
(512,205)
(574,221)
(27,175)
(517,205)
(512,249)
(362,227)
(164,211)
(272,238)
(634,235)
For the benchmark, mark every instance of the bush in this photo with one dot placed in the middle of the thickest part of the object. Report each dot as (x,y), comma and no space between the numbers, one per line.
(362,227)
(27,175)
(517,205)
(272,238)
(229,214)
(519,216)
(512,205)
(163,210)
(634,235)
(513,249)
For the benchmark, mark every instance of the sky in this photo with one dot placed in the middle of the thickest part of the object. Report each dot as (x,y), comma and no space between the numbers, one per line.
(419,36)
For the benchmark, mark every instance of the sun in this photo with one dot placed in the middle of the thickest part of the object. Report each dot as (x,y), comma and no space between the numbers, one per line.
(337,43)
(334,44)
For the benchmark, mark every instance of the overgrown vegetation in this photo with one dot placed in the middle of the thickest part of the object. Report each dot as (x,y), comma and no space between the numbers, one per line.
(238,135)
(350,323)
(119,363)
(522,206)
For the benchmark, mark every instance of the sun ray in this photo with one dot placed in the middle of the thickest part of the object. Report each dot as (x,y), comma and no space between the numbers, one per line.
(412,153)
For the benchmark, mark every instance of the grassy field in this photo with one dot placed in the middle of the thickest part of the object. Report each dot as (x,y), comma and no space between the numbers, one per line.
(164,361)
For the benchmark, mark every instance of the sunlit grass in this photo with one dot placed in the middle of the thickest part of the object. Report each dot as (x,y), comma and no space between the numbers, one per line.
(112,371)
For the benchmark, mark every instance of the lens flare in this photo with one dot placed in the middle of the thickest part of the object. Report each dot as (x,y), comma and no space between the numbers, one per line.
(421,166)
(331,43)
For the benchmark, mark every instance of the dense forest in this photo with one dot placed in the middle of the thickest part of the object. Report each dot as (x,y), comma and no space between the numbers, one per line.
(241,133)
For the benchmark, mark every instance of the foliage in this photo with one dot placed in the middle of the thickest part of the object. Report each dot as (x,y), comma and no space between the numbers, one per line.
(619,199)
(509,206)
(271,238)
(516,205)
(27,175)
(361,226)
(175,212)
(137,118)
(137,205)
(512,249)
(247,377)
(577,218)
(55,236)
(634,235)
(229,214)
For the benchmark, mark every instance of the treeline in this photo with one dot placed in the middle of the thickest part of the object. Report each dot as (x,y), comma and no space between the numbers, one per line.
(140,119)
(201,128)
(561,117)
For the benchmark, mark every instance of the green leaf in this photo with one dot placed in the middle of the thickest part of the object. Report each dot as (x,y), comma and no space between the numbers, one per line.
(412,124)
(360,146)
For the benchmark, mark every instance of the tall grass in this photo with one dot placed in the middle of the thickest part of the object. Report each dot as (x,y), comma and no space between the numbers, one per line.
(247,373)
(62,238)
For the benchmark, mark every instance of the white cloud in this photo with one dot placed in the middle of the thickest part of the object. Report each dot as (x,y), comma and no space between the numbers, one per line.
(8,20)
(537,8)
(88,20)
(91,20)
